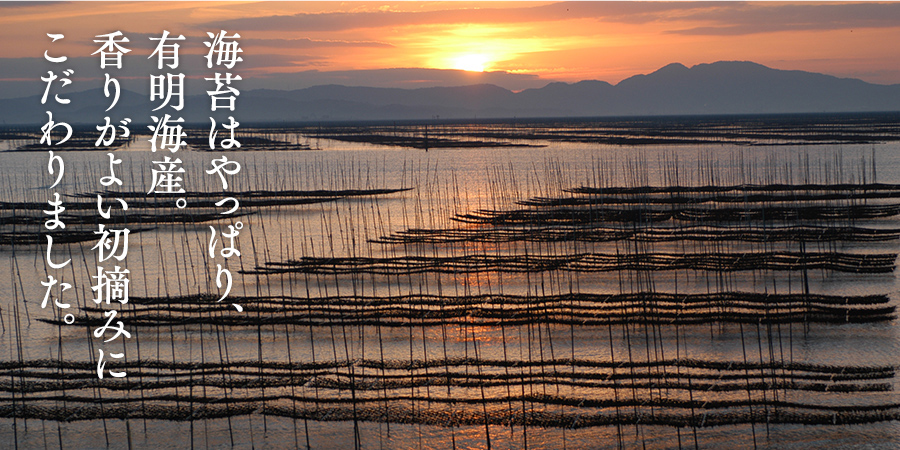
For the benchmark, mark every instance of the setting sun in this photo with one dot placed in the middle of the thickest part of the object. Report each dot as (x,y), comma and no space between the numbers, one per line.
(470,62)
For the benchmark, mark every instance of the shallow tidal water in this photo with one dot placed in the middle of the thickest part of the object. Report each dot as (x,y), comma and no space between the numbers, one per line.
(171,260)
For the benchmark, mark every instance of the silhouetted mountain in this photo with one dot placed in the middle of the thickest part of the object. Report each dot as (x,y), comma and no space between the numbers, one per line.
(748,88)
(717,88)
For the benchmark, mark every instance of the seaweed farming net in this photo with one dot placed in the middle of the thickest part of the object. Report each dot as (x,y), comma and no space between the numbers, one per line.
(690,306)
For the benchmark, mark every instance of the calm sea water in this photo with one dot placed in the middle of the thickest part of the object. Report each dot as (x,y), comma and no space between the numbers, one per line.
(172,260)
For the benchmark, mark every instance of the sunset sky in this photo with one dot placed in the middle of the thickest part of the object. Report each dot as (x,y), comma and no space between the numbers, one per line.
(516,44)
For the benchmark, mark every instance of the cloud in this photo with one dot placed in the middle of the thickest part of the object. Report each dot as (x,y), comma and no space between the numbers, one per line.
(311,43)
(143,41)
(20,77)
(743,19)
(339,21)
(140,66)
(396,78)
(720,18)
(28,4)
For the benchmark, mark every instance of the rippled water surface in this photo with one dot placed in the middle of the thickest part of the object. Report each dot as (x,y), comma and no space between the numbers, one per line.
(536,380)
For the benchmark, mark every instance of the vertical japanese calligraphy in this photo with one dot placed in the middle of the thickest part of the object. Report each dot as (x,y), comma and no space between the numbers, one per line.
(55,166)
(110,274)
(224,52)
(111,284)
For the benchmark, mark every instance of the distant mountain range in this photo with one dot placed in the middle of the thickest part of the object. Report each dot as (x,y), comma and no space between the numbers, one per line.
(726,87)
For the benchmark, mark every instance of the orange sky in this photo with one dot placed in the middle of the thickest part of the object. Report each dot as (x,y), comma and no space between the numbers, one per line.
(538,40)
